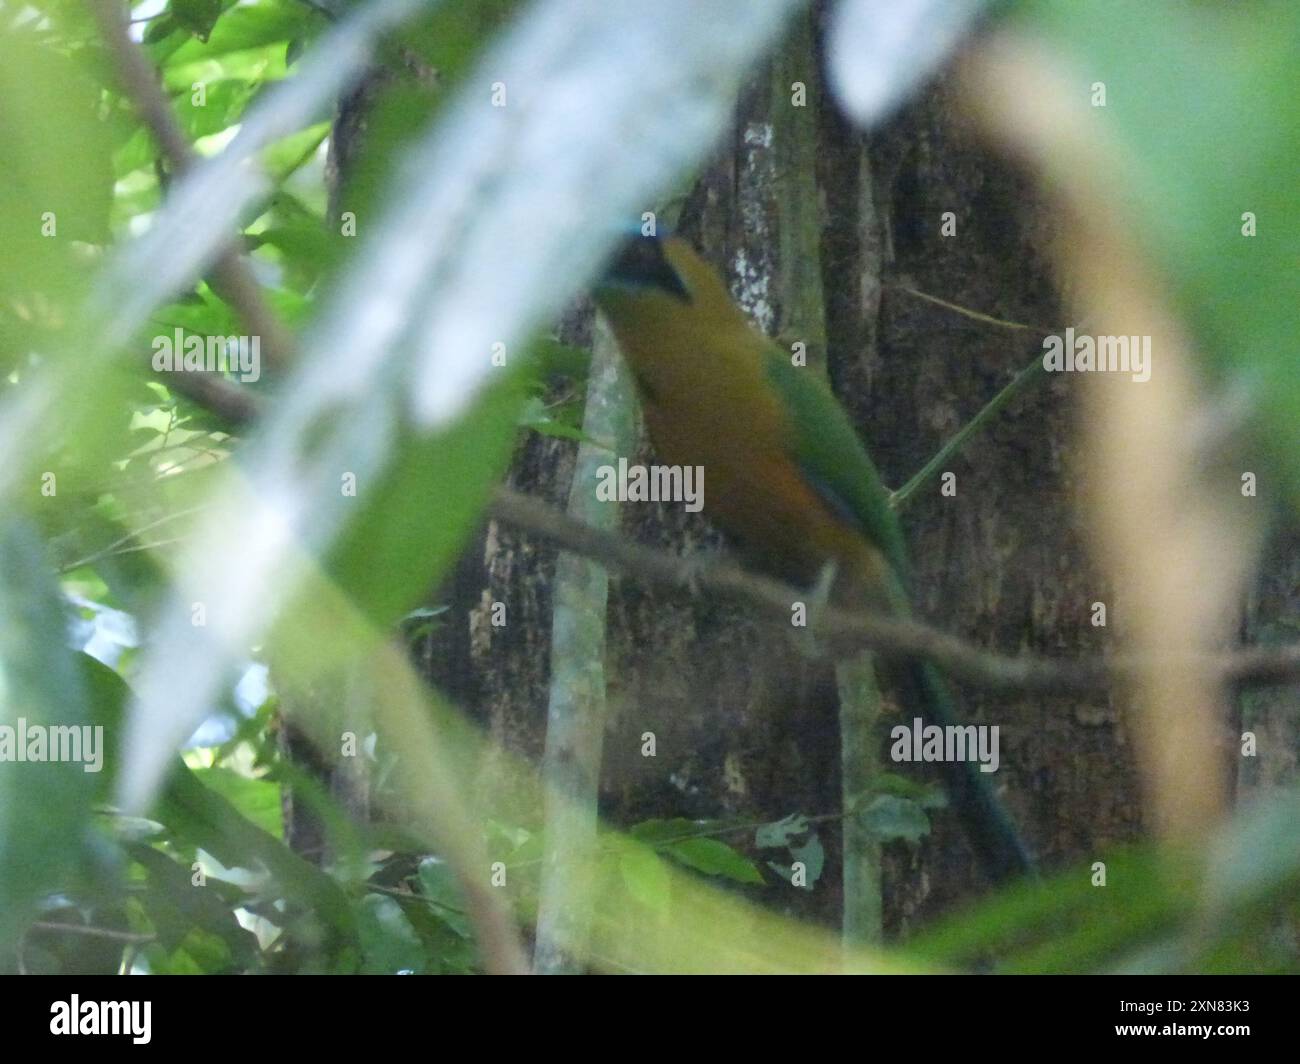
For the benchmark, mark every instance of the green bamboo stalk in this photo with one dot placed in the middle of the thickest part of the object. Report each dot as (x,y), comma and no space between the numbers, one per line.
(575,721)
(1018,384)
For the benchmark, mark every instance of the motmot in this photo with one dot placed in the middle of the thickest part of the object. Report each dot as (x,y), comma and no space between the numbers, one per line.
(786,477)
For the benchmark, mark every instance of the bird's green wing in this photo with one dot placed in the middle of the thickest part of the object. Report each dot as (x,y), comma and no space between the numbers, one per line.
(832,458)
(835,463)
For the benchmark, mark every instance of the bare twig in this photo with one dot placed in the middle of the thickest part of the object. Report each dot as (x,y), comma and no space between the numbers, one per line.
(1253,666)
(965,312)
(1019,383)
(229,401)
(1257,666)
(93,932)
(231,278)
(123,541)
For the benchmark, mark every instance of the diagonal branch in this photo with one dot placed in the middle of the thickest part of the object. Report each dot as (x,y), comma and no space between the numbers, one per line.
(1253,666)
(231,277)
(1257,666)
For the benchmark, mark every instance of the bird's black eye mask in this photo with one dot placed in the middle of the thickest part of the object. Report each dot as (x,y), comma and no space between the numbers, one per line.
(640,263)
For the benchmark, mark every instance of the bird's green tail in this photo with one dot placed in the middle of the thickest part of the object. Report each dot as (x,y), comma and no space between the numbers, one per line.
(994,838)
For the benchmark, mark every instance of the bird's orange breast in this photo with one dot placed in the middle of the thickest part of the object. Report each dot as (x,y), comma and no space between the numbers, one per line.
(699,369)
(753,489)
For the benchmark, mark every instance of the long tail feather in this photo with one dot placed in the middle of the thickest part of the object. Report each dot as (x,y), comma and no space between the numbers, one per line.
(994,838)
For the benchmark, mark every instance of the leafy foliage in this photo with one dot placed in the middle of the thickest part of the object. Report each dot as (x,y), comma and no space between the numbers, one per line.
(203,879)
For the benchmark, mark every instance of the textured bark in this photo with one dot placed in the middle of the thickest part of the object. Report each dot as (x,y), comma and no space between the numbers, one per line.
(1272,715)
(1004,561)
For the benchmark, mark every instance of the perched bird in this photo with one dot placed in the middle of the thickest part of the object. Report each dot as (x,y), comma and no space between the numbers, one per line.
(785,476)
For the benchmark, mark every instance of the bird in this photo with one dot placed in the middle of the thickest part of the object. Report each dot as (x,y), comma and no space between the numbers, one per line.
(787,479)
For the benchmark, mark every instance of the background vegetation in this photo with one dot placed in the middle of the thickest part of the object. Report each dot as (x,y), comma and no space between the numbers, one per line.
(399,709)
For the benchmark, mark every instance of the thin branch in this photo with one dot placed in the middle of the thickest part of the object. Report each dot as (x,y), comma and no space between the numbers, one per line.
(229,401)
(966,312)
(231,277)
(1254,666)
(93,932)
(662,845)
(113,548)
(1019,383)
(135,548)
(1257,666)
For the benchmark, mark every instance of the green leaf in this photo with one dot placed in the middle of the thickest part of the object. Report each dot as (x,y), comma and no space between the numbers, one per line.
(197,816)
(44,804)
(250,26)
(646,878)
(177,908)
(412,523)
(926,795)
(447,951)
(780,832)
(56,181)
(891,817)
(438,884)
(537,417)
(197,16)
(1065,923)
(656,831)
(288,154)
(304,247)
(552,358)
(215,109)
(257,799)
(162,26)
(389,943)
(714,858)
(812,855)
(254,64)
(205,818)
